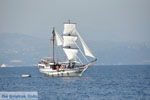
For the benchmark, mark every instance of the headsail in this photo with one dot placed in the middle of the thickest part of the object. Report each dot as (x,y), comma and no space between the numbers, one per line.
(85,47)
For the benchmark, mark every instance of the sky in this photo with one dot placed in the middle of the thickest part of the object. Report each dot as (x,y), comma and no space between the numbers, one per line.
(98,20)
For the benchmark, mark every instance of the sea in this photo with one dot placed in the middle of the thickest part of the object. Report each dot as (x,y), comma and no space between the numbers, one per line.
(116,82)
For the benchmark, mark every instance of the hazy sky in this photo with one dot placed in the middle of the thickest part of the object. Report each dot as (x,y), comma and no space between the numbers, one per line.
(99,20)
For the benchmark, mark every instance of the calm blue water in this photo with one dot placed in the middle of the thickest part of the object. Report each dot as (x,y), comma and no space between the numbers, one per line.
(98,83)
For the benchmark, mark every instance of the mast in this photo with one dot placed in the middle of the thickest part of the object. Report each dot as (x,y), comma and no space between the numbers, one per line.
(53,40)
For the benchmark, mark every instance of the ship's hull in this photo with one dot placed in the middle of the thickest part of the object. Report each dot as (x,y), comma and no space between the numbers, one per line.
(64,73)
(72,72)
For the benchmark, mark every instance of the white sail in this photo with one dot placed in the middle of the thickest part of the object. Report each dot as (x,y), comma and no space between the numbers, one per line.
(69,40)
(69,28)
(70,36)
(85,47)
(71,53)
(59,40)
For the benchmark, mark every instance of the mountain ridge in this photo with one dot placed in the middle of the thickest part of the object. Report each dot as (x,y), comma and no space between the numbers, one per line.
(21,49)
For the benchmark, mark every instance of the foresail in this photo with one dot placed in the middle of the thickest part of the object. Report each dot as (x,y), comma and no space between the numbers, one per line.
(59,40)
(85,47)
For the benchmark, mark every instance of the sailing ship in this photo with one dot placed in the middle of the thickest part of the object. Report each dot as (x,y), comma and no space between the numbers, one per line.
(68,41)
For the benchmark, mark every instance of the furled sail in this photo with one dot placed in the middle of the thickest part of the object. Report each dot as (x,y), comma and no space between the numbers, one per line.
(69,38)
(59,40)
(85,47)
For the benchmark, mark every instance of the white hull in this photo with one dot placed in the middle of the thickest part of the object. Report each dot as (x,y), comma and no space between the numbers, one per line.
(74,72)
(64,73)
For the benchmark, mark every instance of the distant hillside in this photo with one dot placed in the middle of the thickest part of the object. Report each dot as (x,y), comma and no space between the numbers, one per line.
(122,53)
(19,49)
